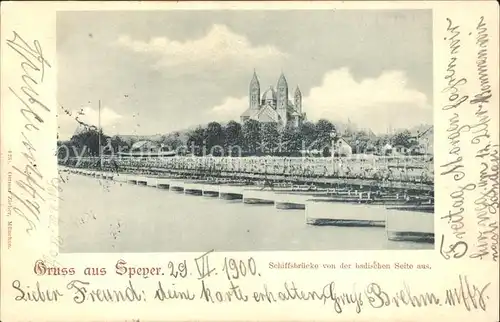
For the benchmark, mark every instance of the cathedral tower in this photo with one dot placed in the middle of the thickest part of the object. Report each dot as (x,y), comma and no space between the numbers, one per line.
(282,100)
(254,92)
(298,100)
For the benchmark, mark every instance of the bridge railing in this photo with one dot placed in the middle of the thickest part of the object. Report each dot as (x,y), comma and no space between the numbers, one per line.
(405,168)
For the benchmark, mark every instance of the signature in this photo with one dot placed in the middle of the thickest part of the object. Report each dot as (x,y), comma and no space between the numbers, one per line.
(466,294)
(33,65)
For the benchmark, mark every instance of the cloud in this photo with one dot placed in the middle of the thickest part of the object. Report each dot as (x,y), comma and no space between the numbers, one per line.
(108,116)
(219,45)
(230,109)
(375,103)
(68,124)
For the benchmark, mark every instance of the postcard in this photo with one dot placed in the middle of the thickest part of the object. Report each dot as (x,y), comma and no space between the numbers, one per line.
(250,161)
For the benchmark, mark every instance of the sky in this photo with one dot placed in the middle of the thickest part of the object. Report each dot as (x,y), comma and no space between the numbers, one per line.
(162,71)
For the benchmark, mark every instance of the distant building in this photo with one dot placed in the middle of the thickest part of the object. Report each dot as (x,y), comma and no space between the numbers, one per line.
(145,146)
(147,149)
(426,141)
(387,149)
(342,147)
(274,105)
(423,142)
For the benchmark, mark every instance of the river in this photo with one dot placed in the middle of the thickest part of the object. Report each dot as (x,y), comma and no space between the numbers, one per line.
(98,215)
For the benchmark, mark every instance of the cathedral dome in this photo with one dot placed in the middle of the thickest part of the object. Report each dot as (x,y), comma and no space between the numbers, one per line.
(269,94)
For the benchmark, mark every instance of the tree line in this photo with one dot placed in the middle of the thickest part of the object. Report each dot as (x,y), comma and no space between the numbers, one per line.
(249,138)
(86,143)
(255,138)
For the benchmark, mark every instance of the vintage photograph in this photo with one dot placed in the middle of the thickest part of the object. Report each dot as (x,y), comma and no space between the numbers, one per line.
(245,130)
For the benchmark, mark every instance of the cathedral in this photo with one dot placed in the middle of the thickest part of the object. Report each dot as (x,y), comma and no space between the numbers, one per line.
(274,105)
